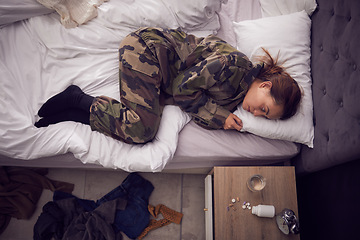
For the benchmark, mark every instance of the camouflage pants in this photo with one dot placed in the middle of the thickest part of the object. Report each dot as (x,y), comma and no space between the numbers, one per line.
(136,118)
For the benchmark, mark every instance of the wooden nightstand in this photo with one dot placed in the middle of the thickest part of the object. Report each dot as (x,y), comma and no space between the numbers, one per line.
(226,183)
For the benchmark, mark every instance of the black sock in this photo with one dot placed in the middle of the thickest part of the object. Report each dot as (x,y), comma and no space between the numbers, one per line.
(71,97)
(74,115)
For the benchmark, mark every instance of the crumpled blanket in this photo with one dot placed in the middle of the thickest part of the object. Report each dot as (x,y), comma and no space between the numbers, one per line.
(20,190)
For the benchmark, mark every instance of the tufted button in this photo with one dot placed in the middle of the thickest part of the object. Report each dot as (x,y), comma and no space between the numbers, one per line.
(337,56)
(332,12)
(341,104)
(349,18)
(327,136)
(324,91)
(321,48)
(354,67)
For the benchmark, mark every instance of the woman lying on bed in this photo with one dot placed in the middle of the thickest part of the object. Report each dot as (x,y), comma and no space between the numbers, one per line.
(205,77)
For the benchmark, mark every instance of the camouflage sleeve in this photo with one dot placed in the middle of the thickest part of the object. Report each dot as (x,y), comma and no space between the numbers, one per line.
(191,93)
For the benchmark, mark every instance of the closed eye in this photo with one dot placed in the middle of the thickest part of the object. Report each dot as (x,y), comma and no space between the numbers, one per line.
(265,111)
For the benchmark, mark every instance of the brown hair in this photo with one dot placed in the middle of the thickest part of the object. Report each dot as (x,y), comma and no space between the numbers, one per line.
(285,90)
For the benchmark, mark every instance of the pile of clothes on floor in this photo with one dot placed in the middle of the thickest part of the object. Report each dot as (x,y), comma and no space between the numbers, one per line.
(125,209)
(20,190)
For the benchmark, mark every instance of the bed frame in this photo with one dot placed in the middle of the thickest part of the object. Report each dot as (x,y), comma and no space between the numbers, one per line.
(336,95)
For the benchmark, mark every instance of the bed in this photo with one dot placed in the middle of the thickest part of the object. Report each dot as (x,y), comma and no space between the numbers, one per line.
(45,48)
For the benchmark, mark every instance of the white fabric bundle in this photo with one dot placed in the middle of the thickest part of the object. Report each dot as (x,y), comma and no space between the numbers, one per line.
(73,12)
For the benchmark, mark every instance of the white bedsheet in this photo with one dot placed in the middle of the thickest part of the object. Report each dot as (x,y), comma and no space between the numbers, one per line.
(40,58)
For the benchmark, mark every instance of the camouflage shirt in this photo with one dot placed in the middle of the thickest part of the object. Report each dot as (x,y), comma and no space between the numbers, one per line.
(205,77)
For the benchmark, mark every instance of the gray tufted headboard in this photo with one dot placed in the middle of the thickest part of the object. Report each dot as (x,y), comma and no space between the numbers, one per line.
(335,67)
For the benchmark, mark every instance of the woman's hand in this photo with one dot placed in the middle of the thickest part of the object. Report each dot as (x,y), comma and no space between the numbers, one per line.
(233,122)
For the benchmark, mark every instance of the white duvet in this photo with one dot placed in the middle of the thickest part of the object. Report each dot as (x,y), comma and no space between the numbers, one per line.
(39,58)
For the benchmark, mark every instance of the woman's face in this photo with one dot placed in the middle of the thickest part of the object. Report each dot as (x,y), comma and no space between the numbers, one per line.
(260,103)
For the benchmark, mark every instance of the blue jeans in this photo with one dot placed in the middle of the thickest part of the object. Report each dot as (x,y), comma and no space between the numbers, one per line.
(135,217)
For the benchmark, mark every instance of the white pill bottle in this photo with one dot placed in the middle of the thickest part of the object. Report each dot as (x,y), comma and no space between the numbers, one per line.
(264,211)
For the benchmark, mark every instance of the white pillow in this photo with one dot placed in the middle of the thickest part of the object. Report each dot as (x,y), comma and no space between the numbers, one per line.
(289,34)
(194,15)
(270,8)
(198,16)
